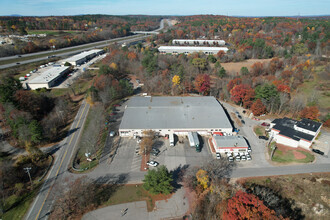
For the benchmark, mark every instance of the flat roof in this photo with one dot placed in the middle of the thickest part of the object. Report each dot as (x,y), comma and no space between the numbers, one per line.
(49,75)
(230,141)
(81,55)
(198,40)
(173,112)
(180,48)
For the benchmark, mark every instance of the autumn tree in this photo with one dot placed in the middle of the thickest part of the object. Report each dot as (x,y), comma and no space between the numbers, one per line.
(200,63)
(311,113)
(203,83)
(176,80)
(247,206)
(131,56)
(233,83)
(203,178)
(257,69)
(242,94)
(258,108)
(221,53)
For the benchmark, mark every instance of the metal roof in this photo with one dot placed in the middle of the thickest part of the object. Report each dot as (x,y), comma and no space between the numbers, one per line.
(49,75)
(81,55)
(190,41)
(174,113)
(192,49)
(230,141)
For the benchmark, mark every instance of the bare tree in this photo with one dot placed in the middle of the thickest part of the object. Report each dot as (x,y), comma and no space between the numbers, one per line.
(297,103)
(284,100)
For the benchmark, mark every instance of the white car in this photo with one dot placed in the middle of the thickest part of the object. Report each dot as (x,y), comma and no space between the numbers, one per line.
(249,149)
(230,159)
(112,133)
(152,163)
(237,158)
(248,157)
(243,157)
(218,156)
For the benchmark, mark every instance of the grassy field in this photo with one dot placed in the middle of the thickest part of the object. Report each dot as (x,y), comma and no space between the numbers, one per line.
(133,193)
(53,32)
(287,156)
(259,131)
(309,192)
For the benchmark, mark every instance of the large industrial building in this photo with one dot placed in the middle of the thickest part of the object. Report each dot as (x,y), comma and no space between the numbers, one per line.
(188,50)
(294,133)
(48,78)
(174,115)
(198,42)
(82,57)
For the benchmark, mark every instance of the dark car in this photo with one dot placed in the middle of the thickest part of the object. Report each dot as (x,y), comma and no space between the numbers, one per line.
(318,151)
(240,117)
(265,124)
(263,137)
(18,63)
(243,121)
(155,151)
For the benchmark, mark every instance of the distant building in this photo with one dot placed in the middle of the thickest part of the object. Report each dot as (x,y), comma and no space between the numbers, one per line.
(233,144)
(294,133)
(187,50)
(48,78)
(198,42)
(82,57)
(174,115)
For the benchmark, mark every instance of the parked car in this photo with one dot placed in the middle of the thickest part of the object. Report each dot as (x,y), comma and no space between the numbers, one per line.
(249,150)
(230,159)
(155,151)
(243,157)
(265,124)
(138,140)
(318,151)
(116,105)
(112,133)
(152,163)
(244,111)
(112,113)
(237,112)
(237,158)
(263,137)
(18,63)
(218,156)
(248,157)
(240,117)
(257,119)
(243,122)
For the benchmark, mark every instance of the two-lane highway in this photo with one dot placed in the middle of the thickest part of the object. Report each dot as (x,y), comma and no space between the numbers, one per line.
(43,202)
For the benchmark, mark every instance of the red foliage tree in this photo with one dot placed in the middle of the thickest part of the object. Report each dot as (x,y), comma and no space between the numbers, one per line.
(131,56)
(202,83)
(242,94)
(247,206)
(221,53)
(233,83)
(311,113)
(257,69)
(258,108)
(287,74)
(283,88)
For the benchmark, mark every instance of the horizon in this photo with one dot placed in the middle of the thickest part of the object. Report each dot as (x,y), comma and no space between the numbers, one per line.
(239,8)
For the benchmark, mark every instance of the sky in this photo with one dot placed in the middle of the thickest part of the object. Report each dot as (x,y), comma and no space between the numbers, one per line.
(166,7)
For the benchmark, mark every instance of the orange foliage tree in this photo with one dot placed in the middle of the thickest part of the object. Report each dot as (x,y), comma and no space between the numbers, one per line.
(247,206)
(258,108)
(131,56)
(233,82)
(242,94)
(311,113)
(257,69)
(202,83)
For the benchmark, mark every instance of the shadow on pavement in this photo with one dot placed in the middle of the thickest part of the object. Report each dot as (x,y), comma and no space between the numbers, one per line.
(178,174)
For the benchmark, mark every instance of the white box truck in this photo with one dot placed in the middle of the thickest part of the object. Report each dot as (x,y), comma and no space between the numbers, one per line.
(195,137)
(171,137)
(191,139)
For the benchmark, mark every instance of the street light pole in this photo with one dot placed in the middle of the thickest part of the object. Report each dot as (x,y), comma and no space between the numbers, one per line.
(27,170)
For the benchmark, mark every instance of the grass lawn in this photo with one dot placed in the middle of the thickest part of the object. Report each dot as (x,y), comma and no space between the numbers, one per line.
(133,193)
(259,131)
(288,156)
(20,210)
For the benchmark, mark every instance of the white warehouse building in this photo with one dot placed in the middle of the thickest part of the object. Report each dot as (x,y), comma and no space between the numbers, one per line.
(82,57)
(48,78)
(174,115)
(198,42)
(188,50)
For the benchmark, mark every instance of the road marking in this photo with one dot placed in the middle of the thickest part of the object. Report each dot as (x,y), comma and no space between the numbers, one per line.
(43,203)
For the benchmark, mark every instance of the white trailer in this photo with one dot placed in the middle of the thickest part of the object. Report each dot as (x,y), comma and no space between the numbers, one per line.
(171,137)
(191,139)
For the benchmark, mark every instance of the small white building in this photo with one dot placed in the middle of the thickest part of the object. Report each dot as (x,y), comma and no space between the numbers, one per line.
(82,57)
(198,42)
(188,50)
(294,133)
(48,78)
(174,115)
(232,144)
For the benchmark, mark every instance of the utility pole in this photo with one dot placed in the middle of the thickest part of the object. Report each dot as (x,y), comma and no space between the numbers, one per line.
(27,170)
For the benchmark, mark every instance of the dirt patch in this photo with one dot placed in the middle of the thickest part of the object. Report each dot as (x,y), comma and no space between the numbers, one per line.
(233,68)
(237,121)
(144,166)
(211,145)
(298,155)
